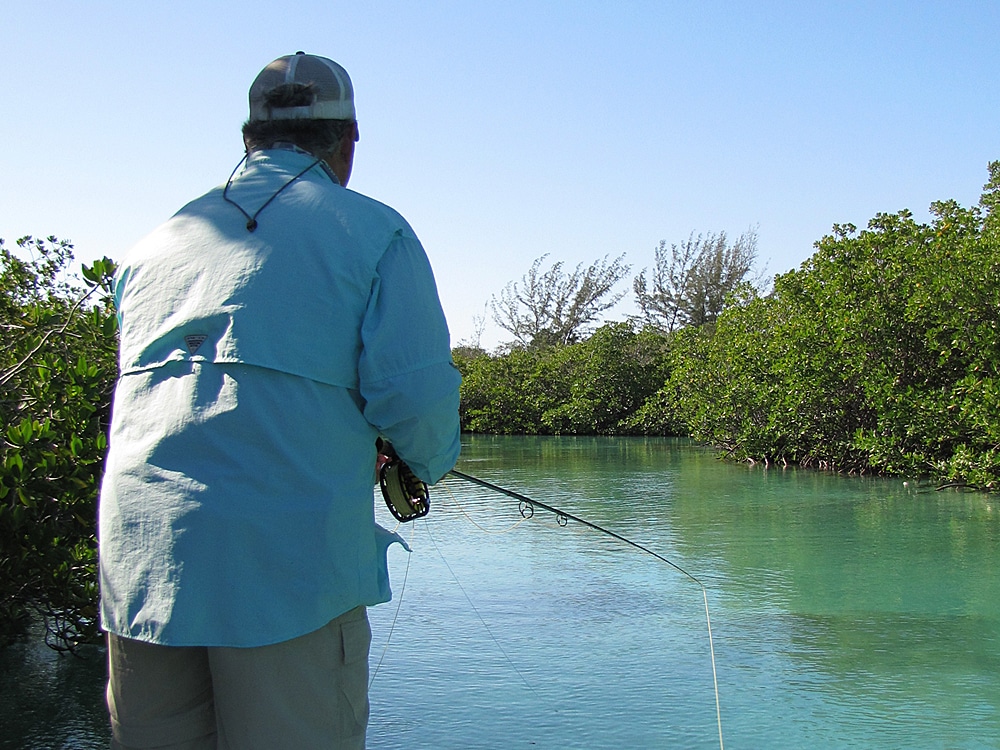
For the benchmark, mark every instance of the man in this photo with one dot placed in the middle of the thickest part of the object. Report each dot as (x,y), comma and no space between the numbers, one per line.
(271,331)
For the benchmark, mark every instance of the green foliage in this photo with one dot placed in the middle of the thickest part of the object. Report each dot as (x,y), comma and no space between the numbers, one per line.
(501,394)
(609,377)
(57,370)
(881,353)
(592,387)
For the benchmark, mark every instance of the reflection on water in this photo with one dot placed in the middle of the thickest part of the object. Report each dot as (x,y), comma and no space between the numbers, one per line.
(847,613)
(51,701)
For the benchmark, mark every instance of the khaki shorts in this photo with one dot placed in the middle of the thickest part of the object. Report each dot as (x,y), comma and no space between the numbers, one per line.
(309,692)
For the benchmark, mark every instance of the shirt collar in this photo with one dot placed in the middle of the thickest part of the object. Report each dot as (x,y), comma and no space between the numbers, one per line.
(288,146)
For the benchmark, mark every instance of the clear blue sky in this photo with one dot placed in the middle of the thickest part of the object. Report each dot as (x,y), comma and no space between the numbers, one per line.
(504,131)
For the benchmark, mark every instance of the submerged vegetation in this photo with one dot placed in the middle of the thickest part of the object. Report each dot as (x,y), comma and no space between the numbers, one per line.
(880,354)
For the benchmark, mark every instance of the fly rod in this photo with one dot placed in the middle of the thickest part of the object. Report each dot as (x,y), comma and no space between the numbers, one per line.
(527,506)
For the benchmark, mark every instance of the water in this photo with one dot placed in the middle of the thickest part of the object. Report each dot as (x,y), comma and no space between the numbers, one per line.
(846,612)
(50,701)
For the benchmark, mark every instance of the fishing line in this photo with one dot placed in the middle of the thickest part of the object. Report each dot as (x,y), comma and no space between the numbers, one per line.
(474,609)
(472,520)
(527,508)
(395,617)
(402,590)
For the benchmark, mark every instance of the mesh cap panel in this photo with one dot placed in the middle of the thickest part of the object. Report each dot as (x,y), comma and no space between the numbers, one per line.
(331,95)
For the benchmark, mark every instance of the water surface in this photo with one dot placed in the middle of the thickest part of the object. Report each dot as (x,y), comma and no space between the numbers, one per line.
(846,612)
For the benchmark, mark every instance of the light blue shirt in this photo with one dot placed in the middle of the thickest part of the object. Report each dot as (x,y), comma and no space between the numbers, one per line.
(257,369)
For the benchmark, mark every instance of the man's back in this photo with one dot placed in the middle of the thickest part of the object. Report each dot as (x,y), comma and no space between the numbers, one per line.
(243,444)
(270,332)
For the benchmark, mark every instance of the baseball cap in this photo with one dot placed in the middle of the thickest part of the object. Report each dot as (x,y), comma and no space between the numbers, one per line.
(333,94)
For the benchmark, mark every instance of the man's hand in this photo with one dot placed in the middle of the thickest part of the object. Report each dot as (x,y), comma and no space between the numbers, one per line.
(406,495)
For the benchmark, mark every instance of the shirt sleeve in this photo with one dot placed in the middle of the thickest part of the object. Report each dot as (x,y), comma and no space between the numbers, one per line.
(408,382)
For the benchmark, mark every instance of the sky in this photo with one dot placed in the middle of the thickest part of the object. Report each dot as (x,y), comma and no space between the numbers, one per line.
(504,131)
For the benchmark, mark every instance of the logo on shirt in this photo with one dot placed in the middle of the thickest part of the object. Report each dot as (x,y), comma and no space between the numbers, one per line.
(194,342)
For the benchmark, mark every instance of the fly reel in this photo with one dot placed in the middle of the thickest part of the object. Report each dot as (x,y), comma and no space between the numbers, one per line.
(406,495)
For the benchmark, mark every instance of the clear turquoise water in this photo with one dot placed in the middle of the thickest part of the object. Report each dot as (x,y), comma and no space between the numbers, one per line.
(846,612)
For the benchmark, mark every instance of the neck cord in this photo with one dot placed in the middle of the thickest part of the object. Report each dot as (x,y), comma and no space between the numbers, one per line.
(252,220)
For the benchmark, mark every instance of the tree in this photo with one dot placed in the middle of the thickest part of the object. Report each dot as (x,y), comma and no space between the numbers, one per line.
(507,393)
(553,307)
(880,354)
(57,370)
(609,376)
(592,387)
(691,281)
